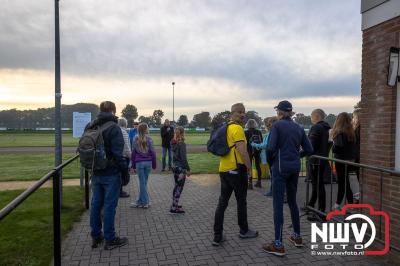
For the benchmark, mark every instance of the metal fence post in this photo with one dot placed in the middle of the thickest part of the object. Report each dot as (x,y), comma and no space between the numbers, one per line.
(57,218)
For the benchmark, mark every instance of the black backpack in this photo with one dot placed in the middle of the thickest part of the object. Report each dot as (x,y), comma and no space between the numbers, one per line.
(91,148)
(218,142)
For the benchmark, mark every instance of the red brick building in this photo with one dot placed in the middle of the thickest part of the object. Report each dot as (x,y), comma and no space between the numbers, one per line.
(380,103)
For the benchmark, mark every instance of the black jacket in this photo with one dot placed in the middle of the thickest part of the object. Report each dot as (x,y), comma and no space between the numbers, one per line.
(167,136)
(113,144)
(319,138)
(253,135)
(343,148)
(179,155)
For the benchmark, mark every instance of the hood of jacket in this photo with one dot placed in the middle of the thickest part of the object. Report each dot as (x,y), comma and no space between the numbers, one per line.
(104,117)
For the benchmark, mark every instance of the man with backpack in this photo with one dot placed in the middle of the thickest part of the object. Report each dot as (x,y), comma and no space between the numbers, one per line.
(101,149)
(229,142)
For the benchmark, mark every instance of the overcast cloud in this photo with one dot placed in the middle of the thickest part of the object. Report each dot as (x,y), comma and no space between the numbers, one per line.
(268,49)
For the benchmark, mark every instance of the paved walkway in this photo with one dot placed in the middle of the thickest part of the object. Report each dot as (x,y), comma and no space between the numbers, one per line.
(158,238)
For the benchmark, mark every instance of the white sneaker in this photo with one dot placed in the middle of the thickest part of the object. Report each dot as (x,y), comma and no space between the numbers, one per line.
(135,205)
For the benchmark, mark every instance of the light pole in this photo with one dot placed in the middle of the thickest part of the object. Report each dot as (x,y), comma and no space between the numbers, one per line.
(57,186)
(173,101)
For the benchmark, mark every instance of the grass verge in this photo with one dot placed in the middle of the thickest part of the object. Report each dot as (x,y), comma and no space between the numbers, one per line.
(40,139)
(26,234)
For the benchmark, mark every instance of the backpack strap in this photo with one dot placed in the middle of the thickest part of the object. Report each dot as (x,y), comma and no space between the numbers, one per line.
(234,145)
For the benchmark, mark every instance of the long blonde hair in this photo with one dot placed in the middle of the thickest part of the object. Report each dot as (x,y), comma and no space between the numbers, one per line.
(179,134)
(343,125)
(141,139)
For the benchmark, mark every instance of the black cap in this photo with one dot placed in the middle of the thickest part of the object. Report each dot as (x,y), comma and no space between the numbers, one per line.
(284,106)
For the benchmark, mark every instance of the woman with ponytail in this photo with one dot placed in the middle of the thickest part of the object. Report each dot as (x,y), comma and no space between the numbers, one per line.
(143,159)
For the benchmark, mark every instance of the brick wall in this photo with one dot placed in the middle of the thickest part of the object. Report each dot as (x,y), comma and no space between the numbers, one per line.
(378,120)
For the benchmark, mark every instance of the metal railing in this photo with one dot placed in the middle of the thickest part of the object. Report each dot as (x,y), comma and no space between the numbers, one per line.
(55,174)
(361,168)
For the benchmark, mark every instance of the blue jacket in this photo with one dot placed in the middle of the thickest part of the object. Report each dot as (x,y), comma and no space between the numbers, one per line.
(262,146)
(113,144)
(283,149)
(131,135)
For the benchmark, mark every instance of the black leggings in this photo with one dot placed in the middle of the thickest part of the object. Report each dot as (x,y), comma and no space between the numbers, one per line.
(343,184)
(179,177)
(318,186)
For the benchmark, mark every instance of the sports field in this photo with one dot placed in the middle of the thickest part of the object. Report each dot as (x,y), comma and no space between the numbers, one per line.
(46,139)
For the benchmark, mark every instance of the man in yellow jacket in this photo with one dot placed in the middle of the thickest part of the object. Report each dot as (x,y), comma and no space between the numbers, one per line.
(234,170)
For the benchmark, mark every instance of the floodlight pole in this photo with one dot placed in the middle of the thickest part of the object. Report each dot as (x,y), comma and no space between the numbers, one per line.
(173,102)
(57,178)
(57,74)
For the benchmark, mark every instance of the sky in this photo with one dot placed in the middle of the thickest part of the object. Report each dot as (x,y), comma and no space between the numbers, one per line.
(217,52)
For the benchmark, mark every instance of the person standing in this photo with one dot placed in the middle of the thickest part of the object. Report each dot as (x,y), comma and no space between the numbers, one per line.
(143,159)
(319,138)
(181,168)
(344,143)
(263,147)
(123,123)
(234,170)
(357,129)
(106,183)
(253,135)
(283,154)
(132,133)
(167,134)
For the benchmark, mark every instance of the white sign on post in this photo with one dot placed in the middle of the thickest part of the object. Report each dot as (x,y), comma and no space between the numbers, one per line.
(80,120)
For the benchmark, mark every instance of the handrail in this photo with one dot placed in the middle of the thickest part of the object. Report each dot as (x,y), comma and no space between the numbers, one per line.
(24,195)
(360,166)
(55,174)
(376,168)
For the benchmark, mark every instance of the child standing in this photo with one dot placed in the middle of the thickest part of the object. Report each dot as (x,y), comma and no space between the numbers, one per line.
(143,159)
(181,168)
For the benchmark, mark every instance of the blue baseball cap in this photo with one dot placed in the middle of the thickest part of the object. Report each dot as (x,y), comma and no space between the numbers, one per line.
(284,106)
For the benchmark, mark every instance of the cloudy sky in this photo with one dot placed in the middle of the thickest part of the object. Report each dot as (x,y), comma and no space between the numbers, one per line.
(218,53)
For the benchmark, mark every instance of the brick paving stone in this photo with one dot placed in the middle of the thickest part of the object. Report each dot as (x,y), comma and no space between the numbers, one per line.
(158,238)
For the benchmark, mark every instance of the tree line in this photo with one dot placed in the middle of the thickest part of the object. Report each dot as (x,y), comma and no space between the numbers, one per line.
(44,117)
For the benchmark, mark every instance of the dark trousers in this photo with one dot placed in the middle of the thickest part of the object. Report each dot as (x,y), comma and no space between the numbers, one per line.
(343,184)
(318,186)
(257,162)
(231,182)
(279,183)
(179,177)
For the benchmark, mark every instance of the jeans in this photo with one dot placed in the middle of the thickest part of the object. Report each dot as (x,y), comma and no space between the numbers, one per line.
(279,183)
(164,154)
(143,170)
(318,186)
(105,195)
(237,183)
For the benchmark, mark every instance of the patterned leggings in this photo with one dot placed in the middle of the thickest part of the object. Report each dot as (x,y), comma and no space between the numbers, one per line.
(180,177)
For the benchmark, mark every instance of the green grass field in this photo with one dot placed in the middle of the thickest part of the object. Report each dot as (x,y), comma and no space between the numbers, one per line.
(24,167)
(26,234)
(46,139)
